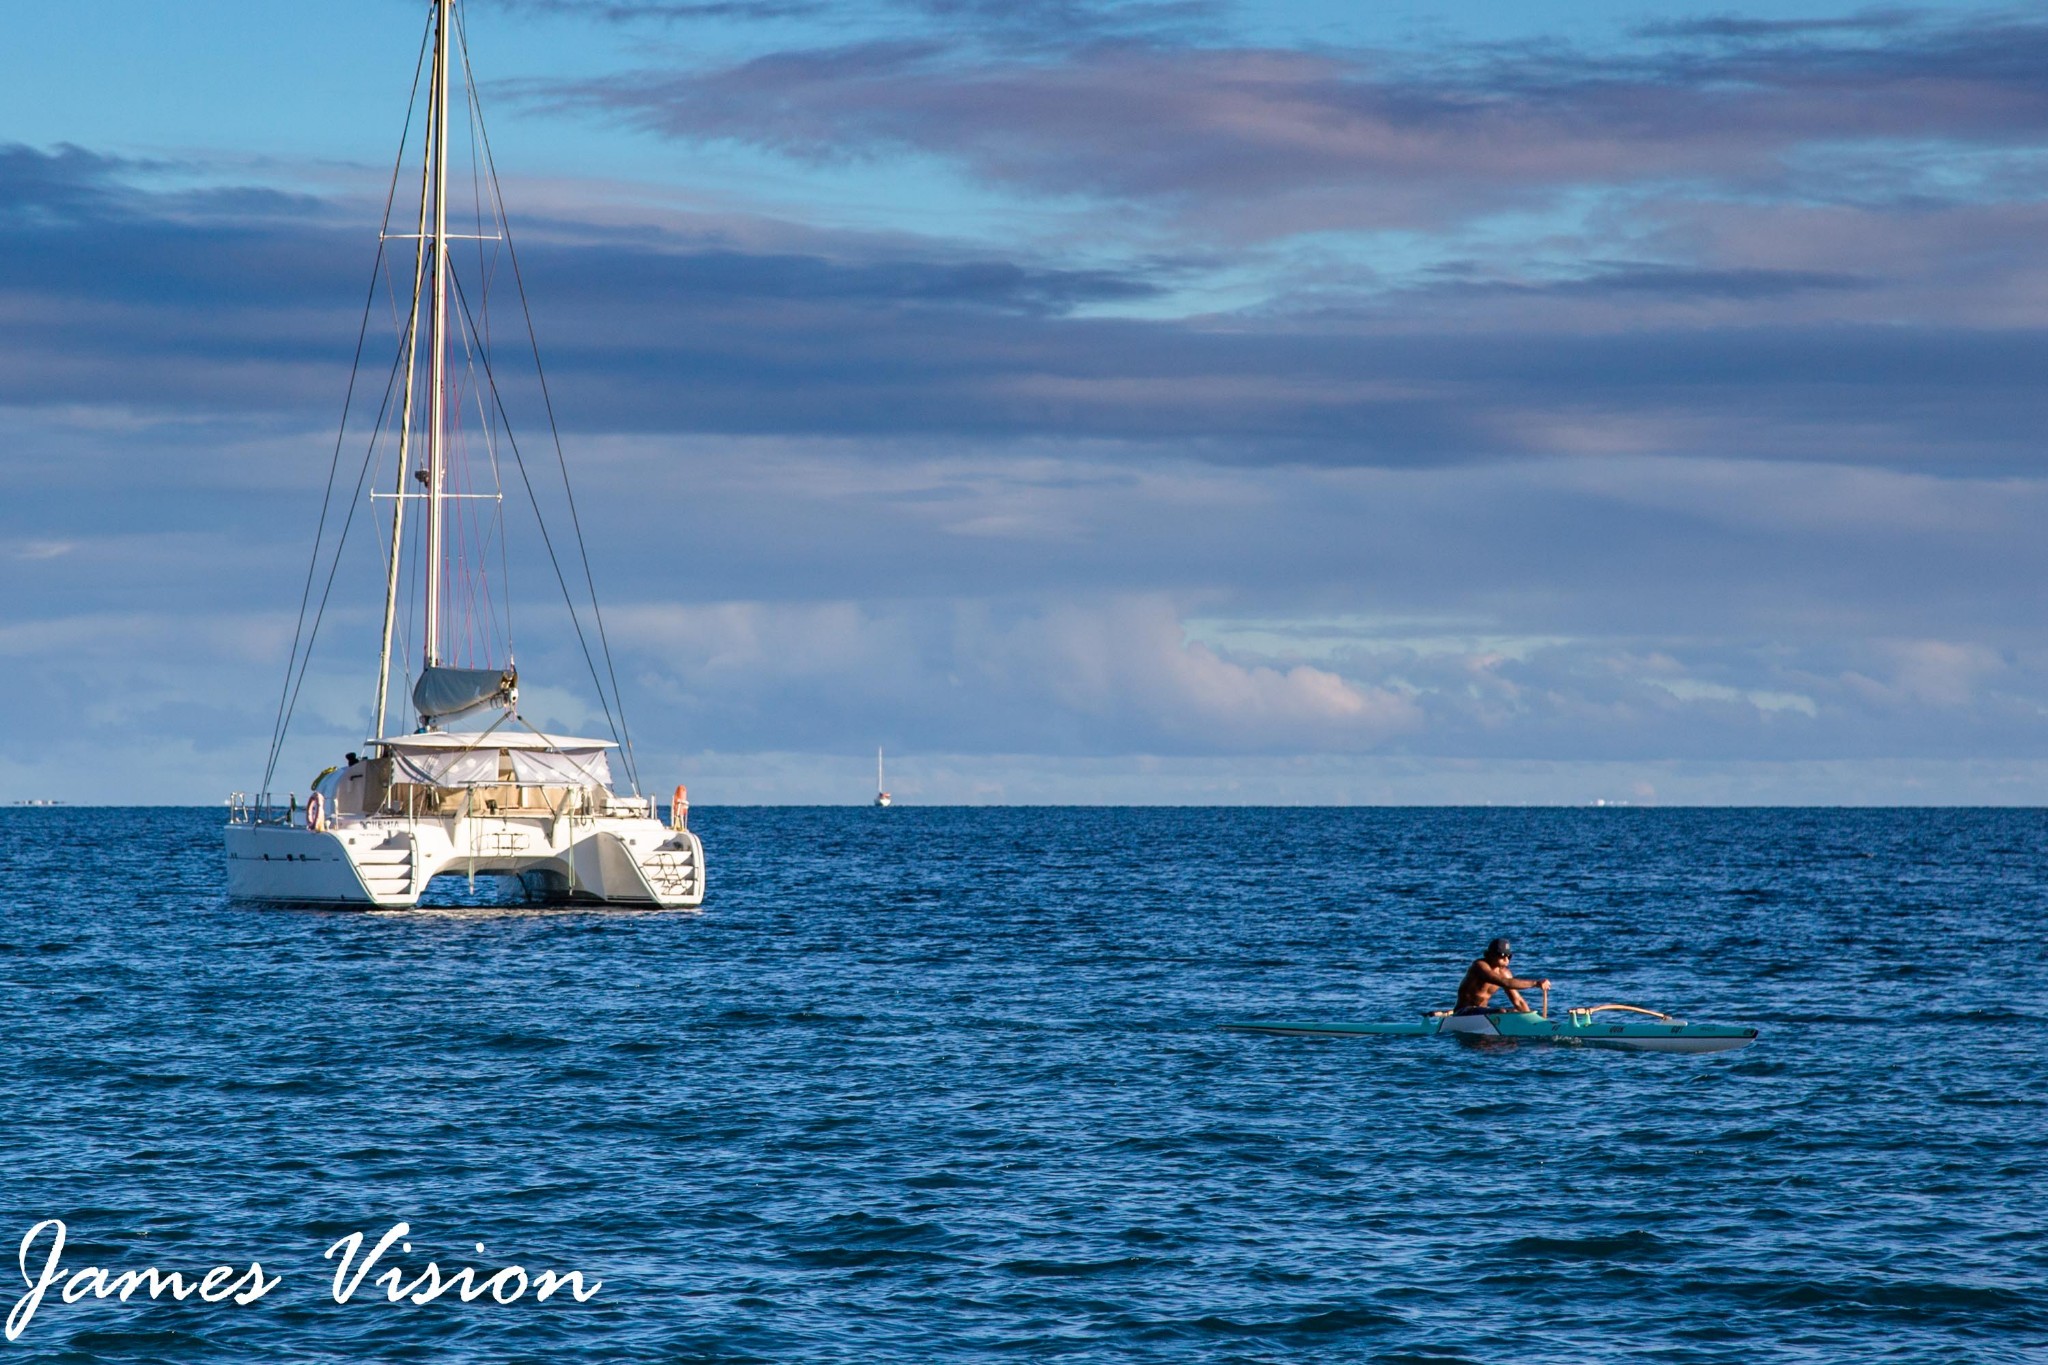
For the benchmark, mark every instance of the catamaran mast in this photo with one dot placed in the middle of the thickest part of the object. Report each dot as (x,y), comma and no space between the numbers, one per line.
(412,334)
(437,396)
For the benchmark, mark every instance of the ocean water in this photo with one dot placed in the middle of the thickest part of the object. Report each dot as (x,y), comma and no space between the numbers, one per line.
(931,1085)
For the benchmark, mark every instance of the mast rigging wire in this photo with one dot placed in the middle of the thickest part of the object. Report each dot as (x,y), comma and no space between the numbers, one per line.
(623,733)
(287,695)
(334,566)
(575,621)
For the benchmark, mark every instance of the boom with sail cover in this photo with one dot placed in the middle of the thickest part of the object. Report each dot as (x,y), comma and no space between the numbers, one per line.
(443,692)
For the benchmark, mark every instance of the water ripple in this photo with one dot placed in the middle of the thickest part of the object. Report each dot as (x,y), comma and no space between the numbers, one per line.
(928,1085)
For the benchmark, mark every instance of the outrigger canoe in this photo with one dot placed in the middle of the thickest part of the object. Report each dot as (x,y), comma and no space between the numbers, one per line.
(1578,1028)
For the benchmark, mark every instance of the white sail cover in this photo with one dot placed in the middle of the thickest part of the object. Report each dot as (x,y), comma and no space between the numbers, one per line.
(446,767)
(569,768)
(451,691)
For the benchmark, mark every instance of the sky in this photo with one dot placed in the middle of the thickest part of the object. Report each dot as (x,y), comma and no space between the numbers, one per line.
(1091,401)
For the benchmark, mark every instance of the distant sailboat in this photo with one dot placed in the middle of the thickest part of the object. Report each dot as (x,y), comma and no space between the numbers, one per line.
(422,799)
(881,791)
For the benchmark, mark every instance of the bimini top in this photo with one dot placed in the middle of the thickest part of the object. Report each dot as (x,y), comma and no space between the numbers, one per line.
(443,759)
(489,739)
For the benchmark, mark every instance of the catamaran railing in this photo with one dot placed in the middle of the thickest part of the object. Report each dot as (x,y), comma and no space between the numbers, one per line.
(261,810)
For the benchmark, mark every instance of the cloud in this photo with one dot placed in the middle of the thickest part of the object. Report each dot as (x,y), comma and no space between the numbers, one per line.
(63,184)
(801,597)
(1072,676)
(1783,341)
(1492,421)
(1039,23)
(1254,143)
(1743,29)
(670,11)
(1650,279)
(1940,673)
(1097,676)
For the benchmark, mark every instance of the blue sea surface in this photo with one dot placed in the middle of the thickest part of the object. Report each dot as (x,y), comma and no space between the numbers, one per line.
(948,1084)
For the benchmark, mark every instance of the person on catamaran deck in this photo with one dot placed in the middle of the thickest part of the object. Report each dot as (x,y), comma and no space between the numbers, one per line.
(1489,974)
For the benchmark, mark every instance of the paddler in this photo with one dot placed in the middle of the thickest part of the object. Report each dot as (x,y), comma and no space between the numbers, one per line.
(1489,974)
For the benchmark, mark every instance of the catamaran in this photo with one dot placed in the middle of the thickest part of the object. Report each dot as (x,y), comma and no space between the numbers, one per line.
(502,799)
(881,787)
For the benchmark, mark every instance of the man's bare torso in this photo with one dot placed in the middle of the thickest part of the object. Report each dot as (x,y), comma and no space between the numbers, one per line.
(1491,973)
(1478,986)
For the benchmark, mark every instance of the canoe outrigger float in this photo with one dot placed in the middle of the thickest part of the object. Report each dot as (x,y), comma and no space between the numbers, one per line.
(1579,1028)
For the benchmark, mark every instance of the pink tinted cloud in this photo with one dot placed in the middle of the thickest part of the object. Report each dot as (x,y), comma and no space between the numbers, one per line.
(1262,141)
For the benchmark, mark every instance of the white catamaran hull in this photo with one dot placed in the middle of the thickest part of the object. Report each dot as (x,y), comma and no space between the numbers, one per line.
(385,862)
(425,801)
